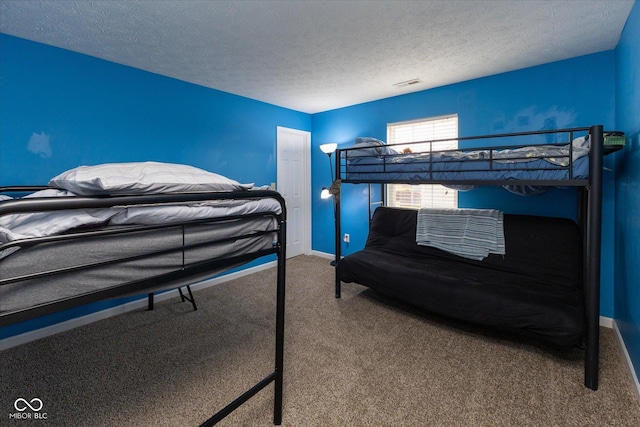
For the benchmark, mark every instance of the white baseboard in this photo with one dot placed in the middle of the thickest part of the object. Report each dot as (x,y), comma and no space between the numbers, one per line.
(123,308)
(607,322)
(323,254)
(627,358)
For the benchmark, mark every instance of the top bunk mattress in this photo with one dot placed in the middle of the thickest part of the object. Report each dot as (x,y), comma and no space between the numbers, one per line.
(461,167)
(539,158)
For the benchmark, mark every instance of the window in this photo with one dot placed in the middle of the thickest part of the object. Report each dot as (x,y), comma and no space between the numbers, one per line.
(430,129)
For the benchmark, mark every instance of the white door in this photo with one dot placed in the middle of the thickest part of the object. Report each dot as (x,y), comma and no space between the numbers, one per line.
(294,182)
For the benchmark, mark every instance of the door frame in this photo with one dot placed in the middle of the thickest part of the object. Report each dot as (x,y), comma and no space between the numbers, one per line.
(306,197)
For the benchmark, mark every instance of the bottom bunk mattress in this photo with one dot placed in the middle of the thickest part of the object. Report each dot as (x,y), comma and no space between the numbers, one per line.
(535,288)
(128,260)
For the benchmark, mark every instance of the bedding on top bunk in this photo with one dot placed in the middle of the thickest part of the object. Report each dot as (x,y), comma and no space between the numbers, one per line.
(369,160)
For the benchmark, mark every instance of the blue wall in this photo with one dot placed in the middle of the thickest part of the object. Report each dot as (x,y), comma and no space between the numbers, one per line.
(559,94)
(627,217)
(60,109)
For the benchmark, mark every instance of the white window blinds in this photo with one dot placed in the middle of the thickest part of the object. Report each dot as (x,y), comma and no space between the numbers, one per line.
(429,129)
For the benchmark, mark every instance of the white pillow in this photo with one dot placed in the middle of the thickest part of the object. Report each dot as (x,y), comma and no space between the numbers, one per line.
(142,178)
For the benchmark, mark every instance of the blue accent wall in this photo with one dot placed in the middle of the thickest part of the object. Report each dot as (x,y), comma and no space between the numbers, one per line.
(60,109)
(627,213)
(577,92)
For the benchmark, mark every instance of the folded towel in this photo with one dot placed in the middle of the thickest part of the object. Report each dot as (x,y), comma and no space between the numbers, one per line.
(470,233)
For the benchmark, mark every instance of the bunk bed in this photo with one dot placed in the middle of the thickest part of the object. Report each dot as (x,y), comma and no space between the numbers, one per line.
(524,163)
(80,240)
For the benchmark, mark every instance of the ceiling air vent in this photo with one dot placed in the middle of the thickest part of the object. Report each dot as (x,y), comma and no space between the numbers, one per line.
(408,83)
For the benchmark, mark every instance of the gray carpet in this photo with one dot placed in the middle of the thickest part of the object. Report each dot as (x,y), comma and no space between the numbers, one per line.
(359,361)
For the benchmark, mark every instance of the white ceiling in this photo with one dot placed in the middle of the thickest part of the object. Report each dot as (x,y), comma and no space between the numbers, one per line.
(314,56)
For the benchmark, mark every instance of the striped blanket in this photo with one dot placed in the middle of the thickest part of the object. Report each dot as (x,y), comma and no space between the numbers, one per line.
(470,233)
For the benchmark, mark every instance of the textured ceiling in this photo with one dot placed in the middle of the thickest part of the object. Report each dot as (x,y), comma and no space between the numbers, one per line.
(314,56)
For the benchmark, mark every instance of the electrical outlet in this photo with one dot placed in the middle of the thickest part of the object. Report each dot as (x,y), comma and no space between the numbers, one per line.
(346,238)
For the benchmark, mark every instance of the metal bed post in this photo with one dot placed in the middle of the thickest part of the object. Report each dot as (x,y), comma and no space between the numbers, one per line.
(336,216)
(277,375)
(189,298)
(280,299)
(594,240)
(377,203)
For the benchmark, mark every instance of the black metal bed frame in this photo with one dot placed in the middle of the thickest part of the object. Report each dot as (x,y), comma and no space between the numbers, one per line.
(149,284)
(590,220)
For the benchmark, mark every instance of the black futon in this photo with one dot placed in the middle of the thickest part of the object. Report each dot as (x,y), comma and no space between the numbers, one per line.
(535,288)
